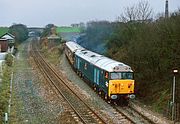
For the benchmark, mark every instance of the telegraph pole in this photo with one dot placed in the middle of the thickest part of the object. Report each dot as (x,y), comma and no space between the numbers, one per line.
(166,10)
(175,71)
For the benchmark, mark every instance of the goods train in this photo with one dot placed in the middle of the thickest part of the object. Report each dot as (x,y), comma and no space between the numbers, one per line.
(112,80)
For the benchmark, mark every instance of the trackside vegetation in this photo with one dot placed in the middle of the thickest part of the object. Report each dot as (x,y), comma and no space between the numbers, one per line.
(5,86)
(96,35)
(20,32)
(151,49)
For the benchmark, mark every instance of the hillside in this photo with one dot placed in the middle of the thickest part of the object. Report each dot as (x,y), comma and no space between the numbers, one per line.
(68,33)
(3,30)
(68,29)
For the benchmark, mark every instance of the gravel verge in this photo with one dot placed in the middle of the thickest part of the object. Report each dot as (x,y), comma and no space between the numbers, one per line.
(34,102)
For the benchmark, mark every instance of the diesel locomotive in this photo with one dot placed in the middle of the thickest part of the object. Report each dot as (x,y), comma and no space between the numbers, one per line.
(112,80)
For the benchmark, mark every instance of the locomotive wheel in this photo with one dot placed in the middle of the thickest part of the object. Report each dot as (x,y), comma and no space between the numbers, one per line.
(100,93)
(105,97)
(82,76)
(109,101)
(94,88)
(79,74)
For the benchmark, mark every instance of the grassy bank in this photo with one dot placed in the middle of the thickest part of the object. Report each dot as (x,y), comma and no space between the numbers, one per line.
(5,87)
(3,30)
(67,29)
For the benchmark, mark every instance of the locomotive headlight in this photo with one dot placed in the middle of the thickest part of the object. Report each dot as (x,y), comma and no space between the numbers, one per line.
(113,96)
(132,96)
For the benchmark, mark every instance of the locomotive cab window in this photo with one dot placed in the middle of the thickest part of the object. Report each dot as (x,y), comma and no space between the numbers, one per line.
(121,75)
(85,66)
(106,75)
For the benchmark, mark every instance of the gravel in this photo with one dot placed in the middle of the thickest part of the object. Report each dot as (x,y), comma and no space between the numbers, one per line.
(33,101)
(101,107)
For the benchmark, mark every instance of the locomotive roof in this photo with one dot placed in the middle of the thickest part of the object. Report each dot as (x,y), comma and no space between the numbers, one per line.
(98,60)
(103,62)
(73,46)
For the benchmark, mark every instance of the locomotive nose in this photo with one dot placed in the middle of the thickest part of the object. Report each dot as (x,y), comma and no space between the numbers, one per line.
(121,86)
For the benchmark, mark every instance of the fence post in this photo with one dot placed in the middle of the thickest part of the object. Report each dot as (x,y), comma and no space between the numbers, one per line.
(177,112)
(6,118)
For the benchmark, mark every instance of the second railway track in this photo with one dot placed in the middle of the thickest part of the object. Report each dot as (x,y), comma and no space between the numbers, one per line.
(134,115)
(84,112)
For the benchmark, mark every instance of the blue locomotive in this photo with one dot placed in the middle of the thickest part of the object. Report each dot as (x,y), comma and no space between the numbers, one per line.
(111,79)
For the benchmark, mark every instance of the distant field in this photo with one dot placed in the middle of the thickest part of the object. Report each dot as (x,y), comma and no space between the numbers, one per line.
(3,30)
(67,29)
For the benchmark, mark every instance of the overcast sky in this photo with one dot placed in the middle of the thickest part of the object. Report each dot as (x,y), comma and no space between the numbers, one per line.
(65,12)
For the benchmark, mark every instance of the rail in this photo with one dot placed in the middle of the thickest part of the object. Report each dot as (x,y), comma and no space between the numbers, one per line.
(85,113)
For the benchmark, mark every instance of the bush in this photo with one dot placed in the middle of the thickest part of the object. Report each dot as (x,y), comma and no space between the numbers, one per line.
(4,91)
(9,59)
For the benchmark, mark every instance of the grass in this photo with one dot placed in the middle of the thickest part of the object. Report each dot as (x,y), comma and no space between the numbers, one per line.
(160,105)
(68,29)
(52,54)
(3,30)
(5,91)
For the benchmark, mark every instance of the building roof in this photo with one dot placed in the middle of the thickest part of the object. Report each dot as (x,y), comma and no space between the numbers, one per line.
(3,39)
(8,36)
(73,46)
(53,37)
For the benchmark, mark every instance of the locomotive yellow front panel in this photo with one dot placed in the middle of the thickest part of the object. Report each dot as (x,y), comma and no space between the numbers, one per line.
(121,87)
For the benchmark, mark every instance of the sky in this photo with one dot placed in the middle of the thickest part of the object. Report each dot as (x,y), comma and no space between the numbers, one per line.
(38,13)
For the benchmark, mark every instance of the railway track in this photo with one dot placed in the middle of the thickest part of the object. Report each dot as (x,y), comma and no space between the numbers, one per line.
(129,112)
(134,115)
(85,113)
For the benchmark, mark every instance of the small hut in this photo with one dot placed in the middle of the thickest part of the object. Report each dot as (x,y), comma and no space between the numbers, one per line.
(53,40)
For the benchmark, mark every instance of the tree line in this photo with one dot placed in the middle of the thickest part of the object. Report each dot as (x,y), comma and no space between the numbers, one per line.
(20,31)
(95,35)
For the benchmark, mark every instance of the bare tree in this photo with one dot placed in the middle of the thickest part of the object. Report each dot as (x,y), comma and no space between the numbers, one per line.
(144,11)
(140,12)
(131,13)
